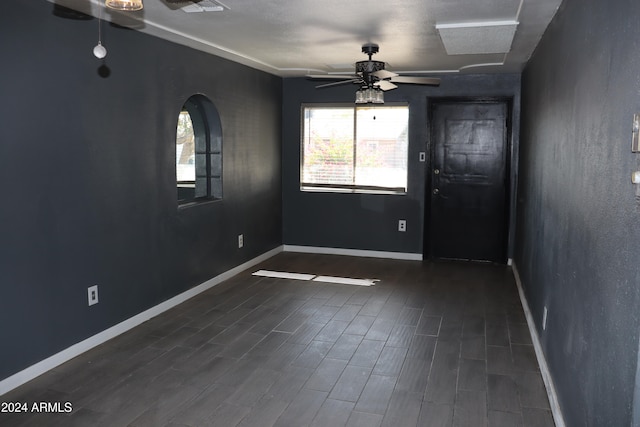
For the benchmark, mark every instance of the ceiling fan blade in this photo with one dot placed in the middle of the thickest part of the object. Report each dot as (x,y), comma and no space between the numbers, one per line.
(384,74)
(385,85)
(343,82)
(332,76)
(416,80)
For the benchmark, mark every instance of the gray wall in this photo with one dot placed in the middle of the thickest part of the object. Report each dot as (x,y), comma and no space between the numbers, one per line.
(578,235)
(88,171)
(367,221)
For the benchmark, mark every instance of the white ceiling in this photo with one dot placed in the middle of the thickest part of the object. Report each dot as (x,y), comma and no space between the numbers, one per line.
(298,37)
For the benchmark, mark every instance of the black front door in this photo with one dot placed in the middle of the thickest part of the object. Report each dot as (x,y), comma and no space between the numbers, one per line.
(469,181)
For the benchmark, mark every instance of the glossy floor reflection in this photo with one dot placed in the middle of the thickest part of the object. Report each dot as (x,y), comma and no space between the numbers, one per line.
(431,344)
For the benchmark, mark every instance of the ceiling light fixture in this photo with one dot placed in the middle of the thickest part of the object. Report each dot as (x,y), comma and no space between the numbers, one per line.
(369,95)
(126,5)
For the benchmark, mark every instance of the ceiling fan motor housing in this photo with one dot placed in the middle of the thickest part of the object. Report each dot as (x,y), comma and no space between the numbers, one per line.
(370,49)
(369,66)
(366,68)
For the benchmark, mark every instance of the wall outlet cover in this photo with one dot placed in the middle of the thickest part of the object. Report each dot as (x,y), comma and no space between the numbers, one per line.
(92,294)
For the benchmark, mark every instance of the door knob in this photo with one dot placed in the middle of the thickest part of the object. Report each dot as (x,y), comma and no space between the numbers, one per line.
(436,171)
(436,191)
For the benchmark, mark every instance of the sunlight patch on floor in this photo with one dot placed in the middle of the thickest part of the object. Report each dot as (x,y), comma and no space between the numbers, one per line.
(315,278)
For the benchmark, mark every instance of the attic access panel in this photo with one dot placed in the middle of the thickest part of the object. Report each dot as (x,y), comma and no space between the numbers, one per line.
(473,38)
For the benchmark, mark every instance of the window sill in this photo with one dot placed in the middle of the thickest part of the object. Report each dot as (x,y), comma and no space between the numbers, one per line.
(353,190)
(187,204)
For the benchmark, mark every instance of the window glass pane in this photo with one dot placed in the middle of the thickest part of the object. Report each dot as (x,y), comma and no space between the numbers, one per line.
(355,147)
(328,146)
(382,146)
(201,187)
(185,149)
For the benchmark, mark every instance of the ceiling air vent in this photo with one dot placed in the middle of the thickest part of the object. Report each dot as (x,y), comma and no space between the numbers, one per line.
(203,6)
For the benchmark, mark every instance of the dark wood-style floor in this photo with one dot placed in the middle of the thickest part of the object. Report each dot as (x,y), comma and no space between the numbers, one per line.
(432,344)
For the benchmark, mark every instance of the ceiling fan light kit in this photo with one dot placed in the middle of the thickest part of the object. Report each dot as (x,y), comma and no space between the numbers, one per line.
(369,95)
(126,5)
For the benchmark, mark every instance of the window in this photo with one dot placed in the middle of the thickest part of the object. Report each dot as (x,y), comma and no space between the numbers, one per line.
(198,151)
(185,149)
(360,149)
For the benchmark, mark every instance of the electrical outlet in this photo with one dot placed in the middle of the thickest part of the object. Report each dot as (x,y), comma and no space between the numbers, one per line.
(402,225)
(240,240)
(92,293)
(544,318)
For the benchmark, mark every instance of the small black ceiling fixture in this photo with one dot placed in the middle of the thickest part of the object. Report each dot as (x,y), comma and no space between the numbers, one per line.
(66,13)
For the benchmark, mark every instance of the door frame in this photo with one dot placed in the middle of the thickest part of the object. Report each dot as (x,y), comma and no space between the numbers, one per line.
(427,246)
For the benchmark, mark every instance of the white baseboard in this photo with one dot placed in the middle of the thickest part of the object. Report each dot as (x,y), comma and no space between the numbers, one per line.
(542,361)
(57,359)
(353,252)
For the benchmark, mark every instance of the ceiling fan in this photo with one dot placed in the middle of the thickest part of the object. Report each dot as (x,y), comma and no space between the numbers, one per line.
(373,79)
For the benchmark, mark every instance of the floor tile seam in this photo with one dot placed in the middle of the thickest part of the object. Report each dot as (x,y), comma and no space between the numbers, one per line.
(291,402)
(359,394)
(457,388)
(424,315)
(522,406)
(373,364)
(506,412)
(227,344)
(545,408)
(404,359)
(287,332)
(332,359)
(328,340)
(237,306)
(272,350)
(517,391)
(429,377)
(390,397)
(245,353)
(184,405)
(338,380)
(392,345)
(426,335)
(107,391)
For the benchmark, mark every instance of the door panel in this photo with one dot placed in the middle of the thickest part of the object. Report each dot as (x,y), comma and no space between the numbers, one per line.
(469,181)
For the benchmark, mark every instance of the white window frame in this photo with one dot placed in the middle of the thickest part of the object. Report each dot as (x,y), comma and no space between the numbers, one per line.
(346,188)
